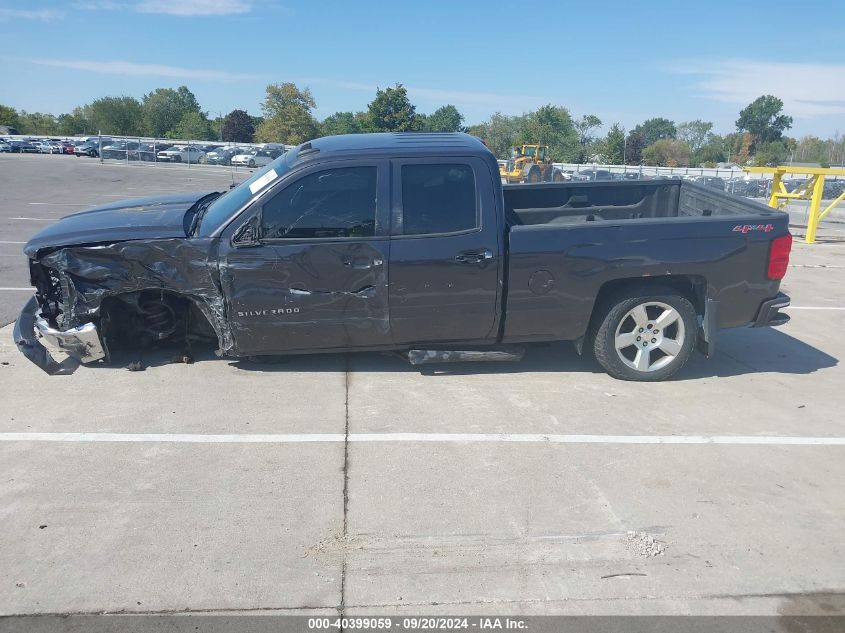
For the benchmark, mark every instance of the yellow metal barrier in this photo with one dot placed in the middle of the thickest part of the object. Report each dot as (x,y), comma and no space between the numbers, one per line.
(812,190)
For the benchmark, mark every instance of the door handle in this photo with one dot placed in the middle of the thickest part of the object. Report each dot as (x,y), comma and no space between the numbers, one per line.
(474,257)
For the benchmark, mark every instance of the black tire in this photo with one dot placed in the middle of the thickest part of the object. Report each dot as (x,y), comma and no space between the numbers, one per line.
(616,325)
(252,164)
(533,175)
(176,159)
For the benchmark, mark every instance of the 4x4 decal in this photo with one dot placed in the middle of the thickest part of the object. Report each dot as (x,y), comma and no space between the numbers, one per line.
(745,228)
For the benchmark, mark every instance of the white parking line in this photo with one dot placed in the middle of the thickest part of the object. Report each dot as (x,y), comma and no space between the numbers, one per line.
(813,308)
(5,242)
(21,289)
(38,219)
(62,204)
(448,438)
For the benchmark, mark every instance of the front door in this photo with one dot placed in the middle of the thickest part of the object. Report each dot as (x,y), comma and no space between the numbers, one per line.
(445,253)
(317,276)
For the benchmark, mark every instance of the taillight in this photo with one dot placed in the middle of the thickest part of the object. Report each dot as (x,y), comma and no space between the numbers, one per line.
(779,256)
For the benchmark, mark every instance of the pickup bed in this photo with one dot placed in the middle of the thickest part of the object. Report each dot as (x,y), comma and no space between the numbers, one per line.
(410,242)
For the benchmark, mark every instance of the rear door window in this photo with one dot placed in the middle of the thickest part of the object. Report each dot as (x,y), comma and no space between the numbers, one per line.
(438,198)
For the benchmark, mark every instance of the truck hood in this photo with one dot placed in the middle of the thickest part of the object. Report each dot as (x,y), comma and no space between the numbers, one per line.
(154,217)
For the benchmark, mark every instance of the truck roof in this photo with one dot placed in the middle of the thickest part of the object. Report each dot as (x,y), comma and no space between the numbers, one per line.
(392,144)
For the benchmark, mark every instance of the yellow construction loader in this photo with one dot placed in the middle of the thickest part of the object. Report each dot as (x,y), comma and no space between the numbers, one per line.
(531,163)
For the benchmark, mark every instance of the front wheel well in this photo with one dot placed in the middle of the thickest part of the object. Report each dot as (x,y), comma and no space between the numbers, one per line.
(146,317)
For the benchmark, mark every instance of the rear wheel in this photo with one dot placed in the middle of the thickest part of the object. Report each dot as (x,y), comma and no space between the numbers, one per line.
(646,334)
(557,176)
(533,175)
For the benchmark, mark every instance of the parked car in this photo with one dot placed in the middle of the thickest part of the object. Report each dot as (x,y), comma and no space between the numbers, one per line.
(629,175)
(183,154)
(748,187)
(5,147)
(118,150)
(67,146)
(711,181)
(256,158)
(142,151)
(297,259)
(24,147)
(833,188)
(222,155)
(592,175)
(49,147)
(88,148)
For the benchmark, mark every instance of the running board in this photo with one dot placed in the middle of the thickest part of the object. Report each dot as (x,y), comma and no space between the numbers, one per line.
(430,356)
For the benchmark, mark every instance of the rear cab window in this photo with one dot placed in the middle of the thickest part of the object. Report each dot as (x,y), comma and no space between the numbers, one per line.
(437,199)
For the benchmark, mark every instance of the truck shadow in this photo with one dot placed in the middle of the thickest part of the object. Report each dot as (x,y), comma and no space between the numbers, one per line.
(741,351)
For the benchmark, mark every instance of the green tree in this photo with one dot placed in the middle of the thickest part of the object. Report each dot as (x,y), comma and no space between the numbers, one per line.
(75,122)
(695,134)
(37,123)
(238,127)
(115,115)
(392,111)
(445,119)
(585,126)
(634,146)
(287,115)
(500,133)
(614,145)
(164,108)
(667,152)
(9,116)
(712,152)
(656,129)
(773,153)
(340,123)
(763,118)
(193,126)
(739,146)
(551,125)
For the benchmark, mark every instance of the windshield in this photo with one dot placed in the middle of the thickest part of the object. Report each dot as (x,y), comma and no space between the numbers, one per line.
(222,209)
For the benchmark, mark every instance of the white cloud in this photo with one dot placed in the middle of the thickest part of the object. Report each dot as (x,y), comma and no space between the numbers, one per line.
(140,70)
(182,8)
(45,15)
(807,90)
(194,7)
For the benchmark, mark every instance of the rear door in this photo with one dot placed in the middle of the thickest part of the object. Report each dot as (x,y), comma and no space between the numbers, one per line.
(317,278)
(446,246)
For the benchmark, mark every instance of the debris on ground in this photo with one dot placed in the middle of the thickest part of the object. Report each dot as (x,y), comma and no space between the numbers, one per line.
(644,544)
(135,365)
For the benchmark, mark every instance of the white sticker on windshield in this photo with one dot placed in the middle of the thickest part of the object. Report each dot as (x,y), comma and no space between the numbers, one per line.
(267,178)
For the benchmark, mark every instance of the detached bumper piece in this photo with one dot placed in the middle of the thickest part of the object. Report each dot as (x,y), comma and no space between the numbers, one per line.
(770,315)
(81,343)
(432,356)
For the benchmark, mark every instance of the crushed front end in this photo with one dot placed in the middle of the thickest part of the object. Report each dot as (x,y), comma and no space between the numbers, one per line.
(44,319)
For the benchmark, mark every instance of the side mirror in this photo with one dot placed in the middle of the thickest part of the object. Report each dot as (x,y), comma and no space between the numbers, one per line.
(248,234)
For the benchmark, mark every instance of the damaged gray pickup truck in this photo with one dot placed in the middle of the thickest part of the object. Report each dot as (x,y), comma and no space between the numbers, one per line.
(409,242)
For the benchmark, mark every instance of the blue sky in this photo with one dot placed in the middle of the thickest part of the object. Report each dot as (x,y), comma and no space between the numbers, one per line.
(622,60)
